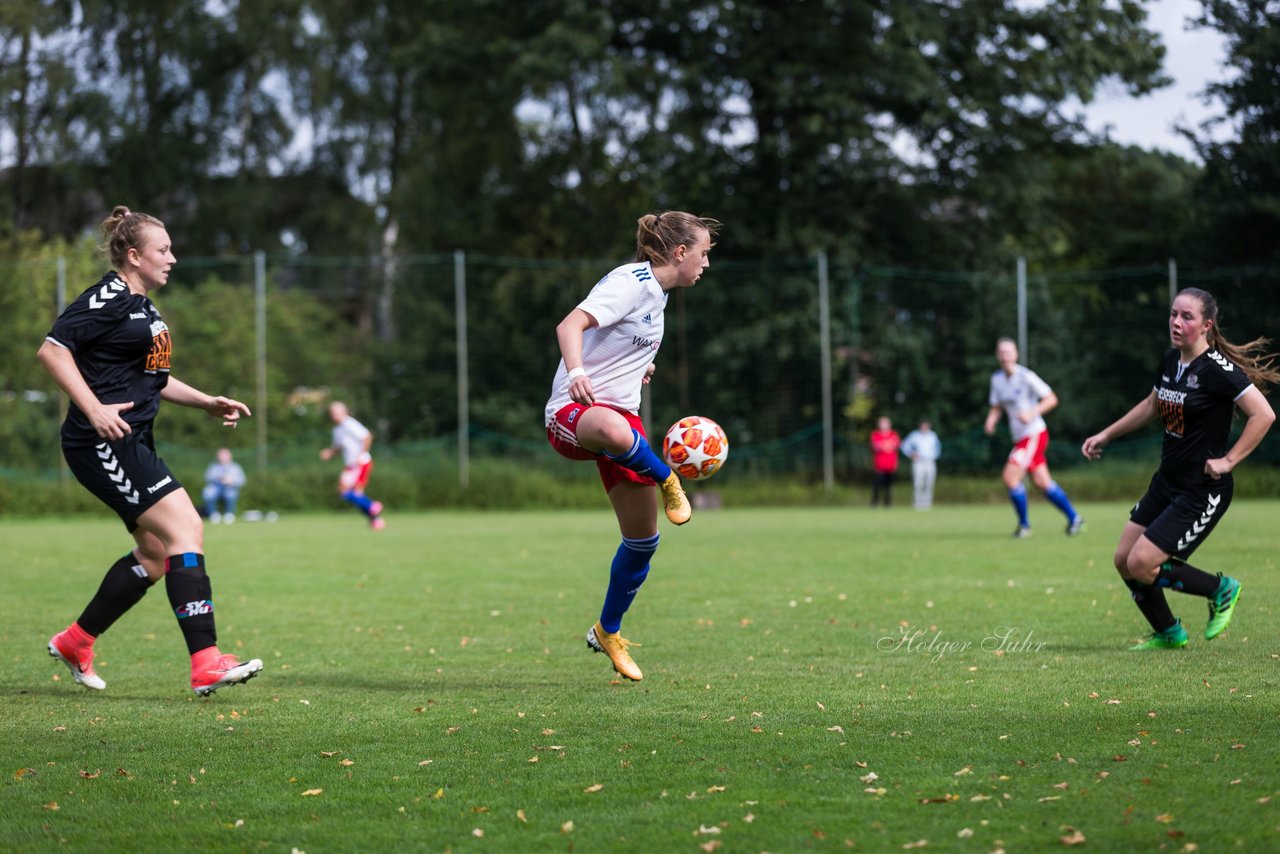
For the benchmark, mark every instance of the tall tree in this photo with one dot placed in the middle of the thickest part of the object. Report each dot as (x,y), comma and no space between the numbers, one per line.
(1241,185)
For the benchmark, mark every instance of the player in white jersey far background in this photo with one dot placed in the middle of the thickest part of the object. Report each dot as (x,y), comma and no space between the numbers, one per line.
(1018,393)
(353,440)
(608,344)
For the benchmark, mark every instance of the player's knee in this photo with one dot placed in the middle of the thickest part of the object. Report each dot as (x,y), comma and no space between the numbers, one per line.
(1140,569)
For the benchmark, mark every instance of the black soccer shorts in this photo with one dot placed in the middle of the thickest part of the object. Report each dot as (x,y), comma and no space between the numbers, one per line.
(126,475)
(1179,519)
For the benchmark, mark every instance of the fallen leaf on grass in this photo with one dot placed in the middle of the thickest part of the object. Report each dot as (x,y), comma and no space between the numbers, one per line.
(310,792)
(24,772)
(346,763)
(593,788)
(479,809)
(749,817)
(869,777)
(1050,798)
(439,793)
(426,762)
(329,753)
(1165,818)
(1063,786)
(822,707)
(520,815)
(919,843)
(710,846)
(963,771)
(1119,758)
(477,833)
(711,790)
(59,729)
(85,774)
(836,728)
(1237,747)
(1073,837)
(965,833)
(945,799)
(533,759)
(567,827)
(52,805)
(703,830)
(451,730)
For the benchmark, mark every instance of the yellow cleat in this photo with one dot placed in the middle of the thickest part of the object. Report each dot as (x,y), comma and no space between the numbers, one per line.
(675,501)
(614,645)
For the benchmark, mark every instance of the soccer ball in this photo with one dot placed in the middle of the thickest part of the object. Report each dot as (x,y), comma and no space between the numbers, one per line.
(695,447)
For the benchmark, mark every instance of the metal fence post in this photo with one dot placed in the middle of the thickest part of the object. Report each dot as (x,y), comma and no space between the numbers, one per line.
(464,411)
(1022,311)
(1173,279)
(260,346)
(824,342)
(60,294)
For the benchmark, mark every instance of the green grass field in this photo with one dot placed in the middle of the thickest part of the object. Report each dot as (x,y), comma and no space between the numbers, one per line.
(815,680)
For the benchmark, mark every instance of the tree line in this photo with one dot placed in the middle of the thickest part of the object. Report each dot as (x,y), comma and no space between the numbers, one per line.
(918,134)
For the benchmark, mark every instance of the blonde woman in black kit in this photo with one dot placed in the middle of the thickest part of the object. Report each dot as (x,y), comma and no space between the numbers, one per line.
(111,353)
(1200,382)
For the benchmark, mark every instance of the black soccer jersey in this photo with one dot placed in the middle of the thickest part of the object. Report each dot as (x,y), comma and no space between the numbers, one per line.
(122,348)
(1196,406)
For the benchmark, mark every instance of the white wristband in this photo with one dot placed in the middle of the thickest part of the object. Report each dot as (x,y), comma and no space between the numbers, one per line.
(577,372)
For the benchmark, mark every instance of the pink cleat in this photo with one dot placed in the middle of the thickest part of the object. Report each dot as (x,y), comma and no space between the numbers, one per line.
(71,649)
(211,669)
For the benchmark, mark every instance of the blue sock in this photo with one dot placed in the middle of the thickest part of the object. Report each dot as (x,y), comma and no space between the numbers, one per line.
(630,567)
(364,502)
(641,459)
(1059,499)
(1018,495)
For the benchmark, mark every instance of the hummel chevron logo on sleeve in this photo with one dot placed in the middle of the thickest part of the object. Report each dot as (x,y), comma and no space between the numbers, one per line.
(107,292)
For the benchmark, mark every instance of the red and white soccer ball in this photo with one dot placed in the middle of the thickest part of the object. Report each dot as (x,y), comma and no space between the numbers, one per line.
(695,447)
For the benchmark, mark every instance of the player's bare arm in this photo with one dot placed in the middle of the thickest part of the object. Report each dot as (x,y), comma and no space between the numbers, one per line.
(569,335)
(1141,413)
(216,406)
(105,417)
(1259,418)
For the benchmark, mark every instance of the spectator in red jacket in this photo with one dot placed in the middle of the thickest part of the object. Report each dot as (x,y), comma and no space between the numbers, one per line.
(884,460)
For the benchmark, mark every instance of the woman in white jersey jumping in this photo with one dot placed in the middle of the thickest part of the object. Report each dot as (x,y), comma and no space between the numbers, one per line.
(1020,394)
(608,344)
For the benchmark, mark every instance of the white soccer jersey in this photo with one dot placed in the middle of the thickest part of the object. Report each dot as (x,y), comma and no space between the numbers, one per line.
(628,306)
(1018,393)
(348,436)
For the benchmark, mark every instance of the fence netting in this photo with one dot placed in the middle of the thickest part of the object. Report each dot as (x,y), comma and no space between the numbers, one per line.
(744,347)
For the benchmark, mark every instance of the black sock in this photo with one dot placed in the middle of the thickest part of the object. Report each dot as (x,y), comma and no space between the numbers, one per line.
(1183,577)
(122,587)
(191,597)
(1150,601)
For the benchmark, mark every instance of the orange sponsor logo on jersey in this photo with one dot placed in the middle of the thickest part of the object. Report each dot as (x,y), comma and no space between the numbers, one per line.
(161,352)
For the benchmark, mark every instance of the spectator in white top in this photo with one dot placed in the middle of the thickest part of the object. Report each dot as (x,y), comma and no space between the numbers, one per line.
(923,447)
(223,480)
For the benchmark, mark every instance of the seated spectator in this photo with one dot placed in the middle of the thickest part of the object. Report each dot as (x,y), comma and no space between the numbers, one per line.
(223,480)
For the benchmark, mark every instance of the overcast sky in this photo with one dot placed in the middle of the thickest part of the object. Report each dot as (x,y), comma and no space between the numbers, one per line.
(1194,59)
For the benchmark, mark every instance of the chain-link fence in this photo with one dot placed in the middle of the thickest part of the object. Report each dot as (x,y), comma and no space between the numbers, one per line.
(449,358)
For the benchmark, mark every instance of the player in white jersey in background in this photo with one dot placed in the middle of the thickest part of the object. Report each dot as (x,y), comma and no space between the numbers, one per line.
(1024,398)
(608,344)
(353,440)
